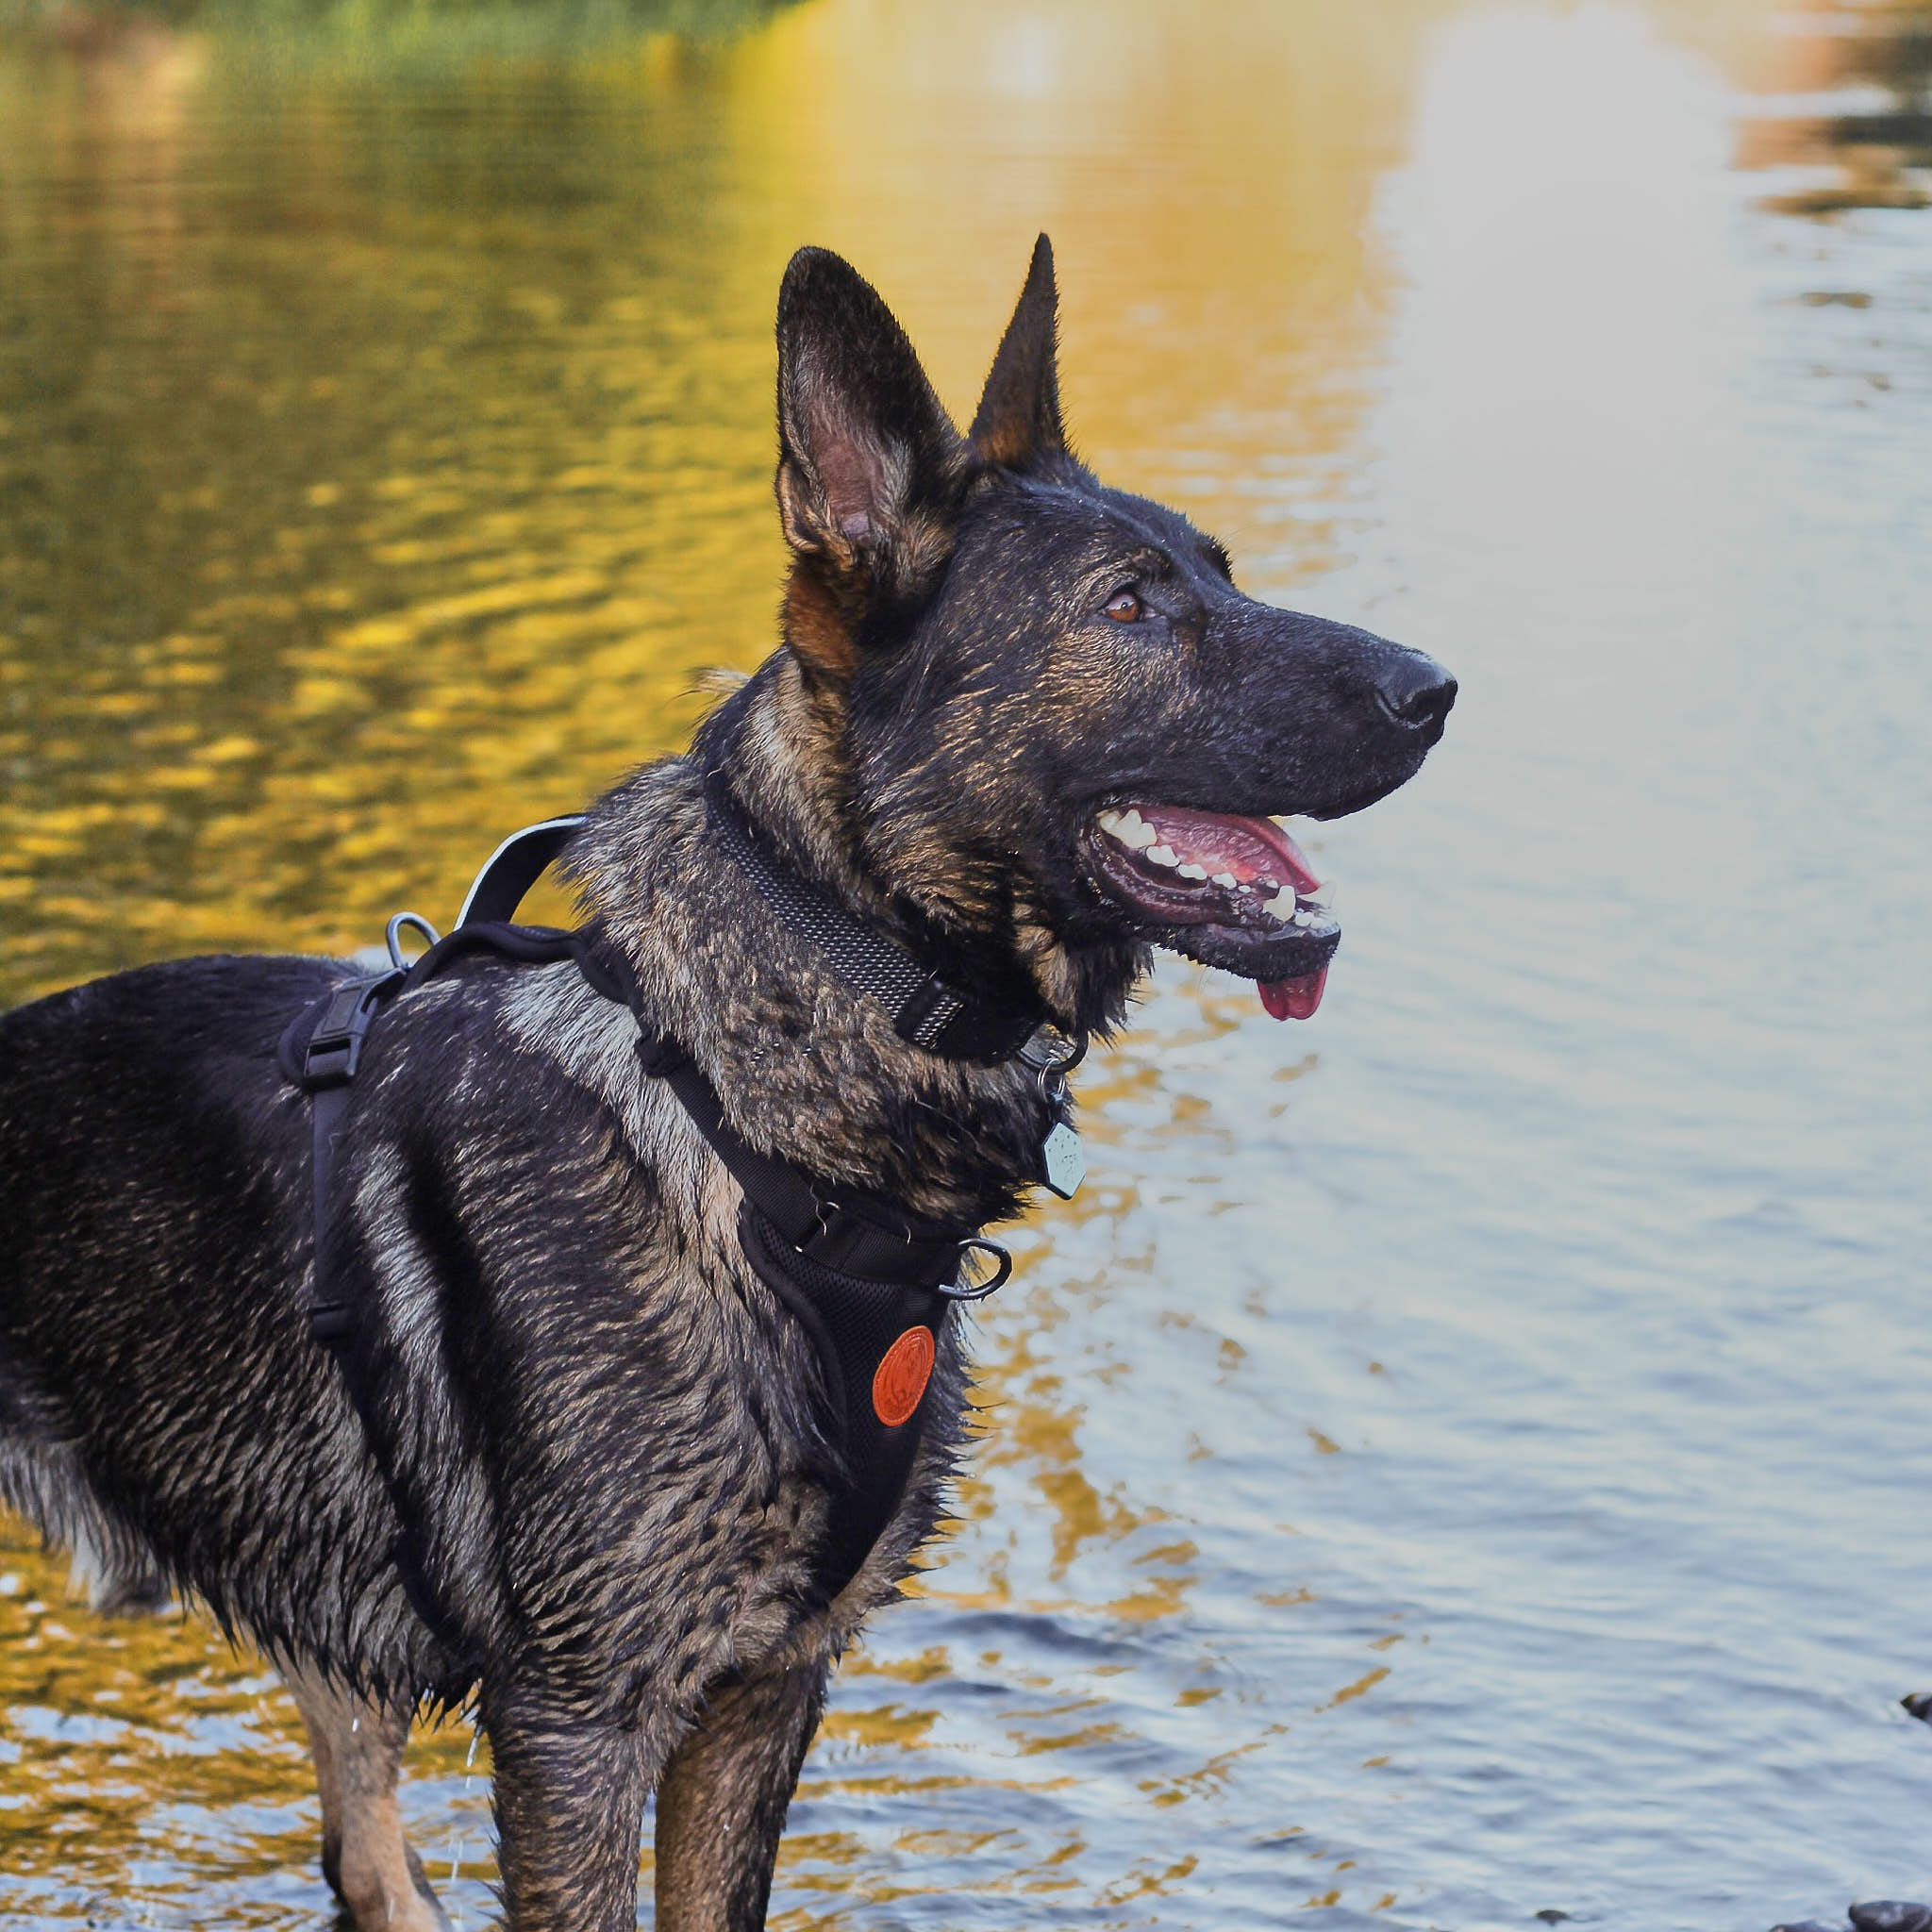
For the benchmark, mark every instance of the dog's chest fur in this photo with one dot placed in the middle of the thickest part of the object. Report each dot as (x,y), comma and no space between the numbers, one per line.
(602,1427)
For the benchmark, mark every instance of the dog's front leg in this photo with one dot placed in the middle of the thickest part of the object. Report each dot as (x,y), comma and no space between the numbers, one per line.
(721,1802)
(357,1747)
(569,1793)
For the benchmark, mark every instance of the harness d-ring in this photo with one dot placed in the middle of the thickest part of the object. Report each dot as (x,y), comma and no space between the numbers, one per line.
(1004,1268)
(392,935)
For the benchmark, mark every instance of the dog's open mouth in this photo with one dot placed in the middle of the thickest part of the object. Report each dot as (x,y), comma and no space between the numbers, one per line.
(1233,893)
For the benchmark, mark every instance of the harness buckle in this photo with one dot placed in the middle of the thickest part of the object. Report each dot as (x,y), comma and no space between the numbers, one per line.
(335,1048)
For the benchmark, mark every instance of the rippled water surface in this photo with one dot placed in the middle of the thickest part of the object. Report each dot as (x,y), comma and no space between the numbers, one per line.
(1463,1457)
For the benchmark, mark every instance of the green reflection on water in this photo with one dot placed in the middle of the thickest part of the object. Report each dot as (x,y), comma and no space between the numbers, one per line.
(394,39)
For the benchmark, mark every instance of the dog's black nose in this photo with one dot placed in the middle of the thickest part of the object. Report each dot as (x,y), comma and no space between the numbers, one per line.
(1414,692)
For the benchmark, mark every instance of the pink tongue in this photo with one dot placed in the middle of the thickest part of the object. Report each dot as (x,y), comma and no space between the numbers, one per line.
(1293,999)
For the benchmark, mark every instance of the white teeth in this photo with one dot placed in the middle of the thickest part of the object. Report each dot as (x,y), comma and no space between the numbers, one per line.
(1129,827)
(1287,908)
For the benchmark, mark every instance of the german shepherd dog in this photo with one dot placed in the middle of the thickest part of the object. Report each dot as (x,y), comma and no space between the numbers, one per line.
(1022,725)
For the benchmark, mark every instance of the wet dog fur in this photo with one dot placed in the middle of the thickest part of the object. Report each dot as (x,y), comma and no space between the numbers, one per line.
(602,1426)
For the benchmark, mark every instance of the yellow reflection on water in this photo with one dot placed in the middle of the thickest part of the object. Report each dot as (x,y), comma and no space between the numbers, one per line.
(396,513)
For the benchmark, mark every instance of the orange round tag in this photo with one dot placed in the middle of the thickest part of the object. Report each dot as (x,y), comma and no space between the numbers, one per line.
(901,1379)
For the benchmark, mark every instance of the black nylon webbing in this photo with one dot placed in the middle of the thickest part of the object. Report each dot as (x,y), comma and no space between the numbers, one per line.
(844,1227)
(925,1008)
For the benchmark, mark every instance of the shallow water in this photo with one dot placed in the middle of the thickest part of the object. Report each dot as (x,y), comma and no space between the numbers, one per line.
(1460,1458)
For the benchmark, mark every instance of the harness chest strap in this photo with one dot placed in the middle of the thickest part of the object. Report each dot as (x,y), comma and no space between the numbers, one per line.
(871,1285)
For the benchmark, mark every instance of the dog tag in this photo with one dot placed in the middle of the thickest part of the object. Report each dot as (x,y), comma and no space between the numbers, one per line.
(1066,1166)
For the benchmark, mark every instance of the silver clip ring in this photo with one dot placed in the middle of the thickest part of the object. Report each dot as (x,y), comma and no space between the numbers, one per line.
(392,935)
(1051,1064)
(1003,1269)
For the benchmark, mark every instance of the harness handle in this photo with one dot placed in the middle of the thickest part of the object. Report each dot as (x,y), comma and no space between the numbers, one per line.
(513,868)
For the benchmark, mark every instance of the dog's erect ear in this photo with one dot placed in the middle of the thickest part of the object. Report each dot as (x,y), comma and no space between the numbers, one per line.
(870,465)
(1019,415)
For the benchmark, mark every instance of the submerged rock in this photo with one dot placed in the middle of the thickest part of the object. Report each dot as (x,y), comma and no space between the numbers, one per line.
(1892,1915)
(1875,1915)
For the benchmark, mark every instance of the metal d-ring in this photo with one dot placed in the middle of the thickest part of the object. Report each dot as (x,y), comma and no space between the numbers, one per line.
(1050,1064)
(1004,1268)
(1074,1058)
(393,936)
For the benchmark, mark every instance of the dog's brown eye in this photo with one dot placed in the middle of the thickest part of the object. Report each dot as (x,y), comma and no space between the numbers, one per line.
(1124,607)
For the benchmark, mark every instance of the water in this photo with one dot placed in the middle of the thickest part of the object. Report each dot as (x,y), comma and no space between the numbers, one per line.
(1460,1458)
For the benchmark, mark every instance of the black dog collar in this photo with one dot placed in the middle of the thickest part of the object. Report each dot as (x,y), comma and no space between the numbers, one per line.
(925,1009)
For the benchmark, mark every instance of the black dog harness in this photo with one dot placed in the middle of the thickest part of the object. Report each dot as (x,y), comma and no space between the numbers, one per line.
(871,1285)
